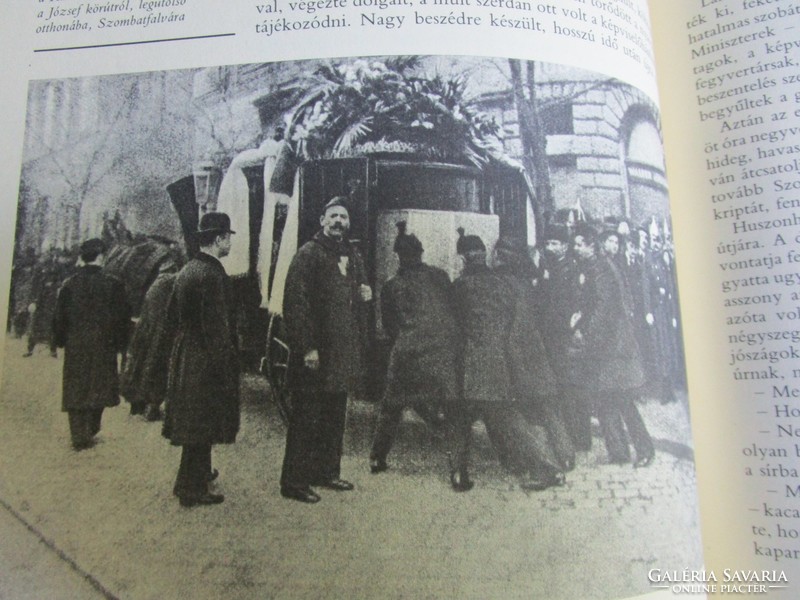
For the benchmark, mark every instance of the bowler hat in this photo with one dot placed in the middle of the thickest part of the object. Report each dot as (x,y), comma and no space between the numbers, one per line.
(215,222)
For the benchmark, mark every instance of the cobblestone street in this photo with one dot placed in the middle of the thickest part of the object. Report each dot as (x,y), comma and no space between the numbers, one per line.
(108,513)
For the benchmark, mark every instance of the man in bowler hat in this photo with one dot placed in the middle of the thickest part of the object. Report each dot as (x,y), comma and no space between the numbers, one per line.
(91,323)
(324,310)
(202,406)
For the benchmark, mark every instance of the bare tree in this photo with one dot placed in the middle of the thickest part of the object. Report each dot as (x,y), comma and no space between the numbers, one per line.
(532,134)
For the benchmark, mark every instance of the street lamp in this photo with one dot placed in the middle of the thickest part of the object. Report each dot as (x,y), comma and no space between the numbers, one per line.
(207,178)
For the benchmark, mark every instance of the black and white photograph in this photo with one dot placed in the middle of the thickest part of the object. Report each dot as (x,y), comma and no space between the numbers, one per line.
(370,327)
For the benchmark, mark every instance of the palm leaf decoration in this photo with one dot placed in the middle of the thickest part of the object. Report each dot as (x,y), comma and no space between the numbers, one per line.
(362,106)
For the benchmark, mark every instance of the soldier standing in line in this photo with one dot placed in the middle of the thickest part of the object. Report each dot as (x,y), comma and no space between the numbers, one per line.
(484,307)
(203,386)
(325,296)
(611,364)
(92,324)
(418,318)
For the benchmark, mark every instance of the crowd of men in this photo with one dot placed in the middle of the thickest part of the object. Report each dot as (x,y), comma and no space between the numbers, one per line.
(534,346)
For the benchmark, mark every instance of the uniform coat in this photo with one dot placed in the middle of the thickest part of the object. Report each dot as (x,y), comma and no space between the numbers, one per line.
(418,317)
(91,323)
(611,359)
(485,304)
(203,387)
(530,367)
(145,378)
(323,312)
(484,308)
(560,294)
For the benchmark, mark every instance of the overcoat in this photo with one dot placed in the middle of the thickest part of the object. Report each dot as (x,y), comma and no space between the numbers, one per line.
(611,359)
(530,369)
(323,311)
(484,309)
(46,282)
(92,324)
(417,314)
(145,377)
(560,299)
(203,386)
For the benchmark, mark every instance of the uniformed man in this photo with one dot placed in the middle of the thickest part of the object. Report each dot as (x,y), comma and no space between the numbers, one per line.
(324,310)
(417,316)
(485,306)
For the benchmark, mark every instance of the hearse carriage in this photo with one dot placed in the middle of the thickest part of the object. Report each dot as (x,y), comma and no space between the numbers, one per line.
(433,198)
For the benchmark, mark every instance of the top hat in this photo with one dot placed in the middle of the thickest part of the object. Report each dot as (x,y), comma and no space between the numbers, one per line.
(215,222)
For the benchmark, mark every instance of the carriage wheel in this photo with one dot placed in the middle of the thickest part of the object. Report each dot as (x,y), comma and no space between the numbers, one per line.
(275,366)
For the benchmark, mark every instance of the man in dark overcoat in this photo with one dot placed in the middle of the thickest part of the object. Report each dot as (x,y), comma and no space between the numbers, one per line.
(324,308)
(484,307)
(561,294)
(144,380)
(202,406)
(612,366)
(534,383)
(418,318)
(91,323)
(47,279)
(663,303)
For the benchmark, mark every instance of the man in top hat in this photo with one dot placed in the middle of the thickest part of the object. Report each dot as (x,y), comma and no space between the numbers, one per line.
(324,311)
(417,315)
(92,324)
(202,406)
(611,364)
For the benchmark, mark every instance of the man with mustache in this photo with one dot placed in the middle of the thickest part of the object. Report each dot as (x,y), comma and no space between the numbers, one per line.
(324,310)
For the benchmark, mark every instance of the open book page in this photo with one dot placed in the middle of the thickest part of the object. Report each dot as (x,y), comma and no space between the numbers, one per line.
(730,85)
(530,438)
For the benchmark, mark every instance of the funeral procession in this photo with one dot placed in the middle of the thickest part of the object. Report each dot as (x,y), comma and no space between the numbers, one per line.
(431,273)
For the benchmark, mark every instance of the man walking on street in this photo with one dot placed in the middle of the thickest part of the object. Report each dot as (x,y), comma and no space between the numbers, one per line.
(203,387)
(326,292)
(91,323)
(485,306)
(611,364)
